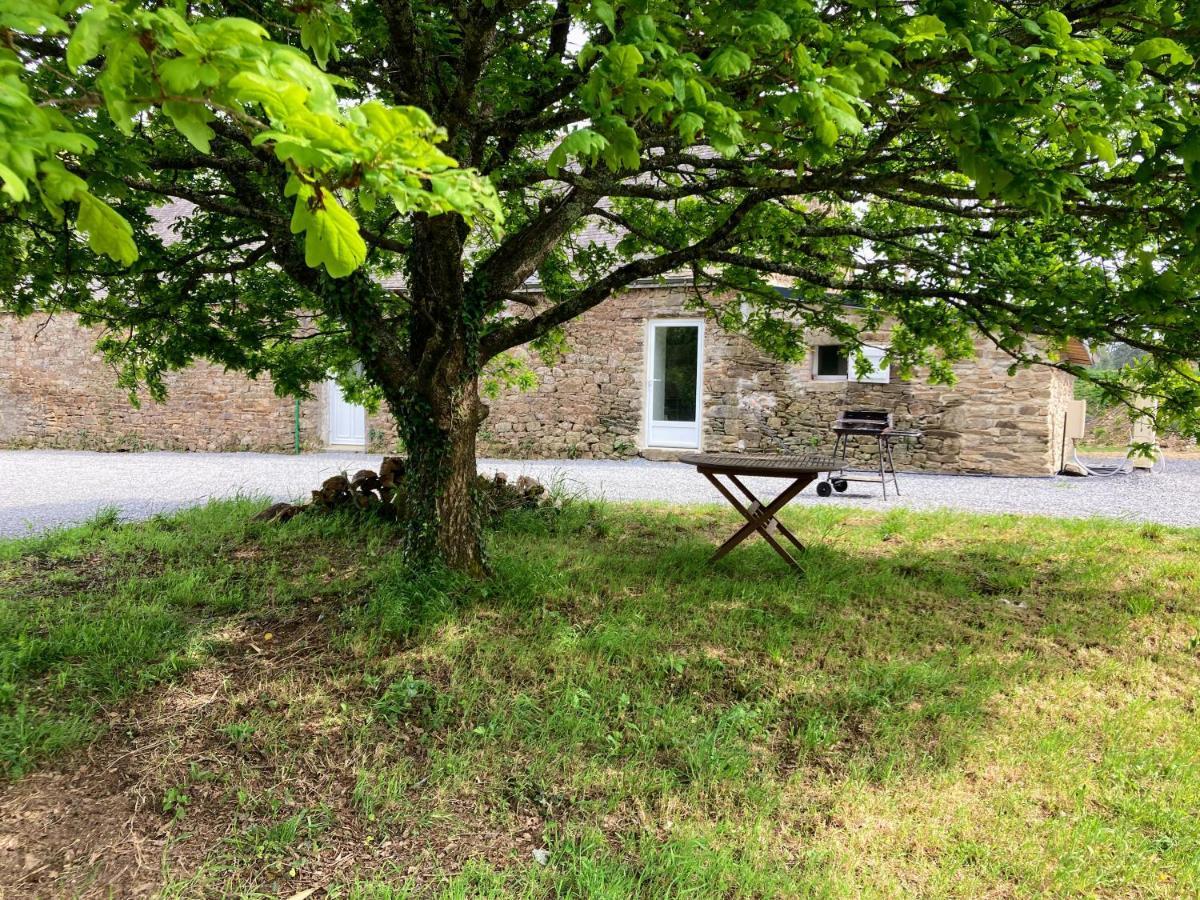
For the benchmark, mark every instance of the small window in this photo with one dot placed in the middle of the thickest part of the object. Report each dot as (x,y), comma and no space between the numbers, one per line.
(832,362)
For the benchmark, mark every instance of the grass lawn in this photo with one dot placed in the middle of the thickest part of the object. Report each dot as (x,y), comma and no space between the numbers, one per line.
(943,705)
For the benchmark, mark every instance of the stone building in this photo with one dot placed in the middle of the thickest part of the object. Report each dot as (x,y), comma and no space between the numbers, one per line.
(644,375)
(647,376)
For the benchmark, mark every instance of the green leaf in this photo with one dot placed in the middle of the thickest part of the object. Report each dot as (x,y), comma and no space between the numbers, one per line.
(1102,147)
(624,146)
(583,143)
(32,16)
(59,185)
(842,115)
(317,36)
(625,60)
(85,42)
(108,232)
(729,62)
(923,28)
(298,150)
(277,97)
(179,35)
(191,119)
(331,237)
(689,125)
(14,185)
(124,57)
(604,12)
(826,131)
(235,30)
(180,74)
(1156,48)
(641,28)
(1057,24)
(1189,152)
(770,25)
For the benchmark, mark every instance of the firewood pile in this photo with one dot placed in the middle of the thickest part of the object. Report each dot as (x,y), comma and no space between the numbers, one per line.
(365,490)
(498,496)
(381,493)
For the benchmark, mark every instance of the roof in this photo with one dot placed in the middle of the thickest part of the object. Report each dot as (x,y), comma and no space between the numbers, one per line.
(168,216)
(1076,351)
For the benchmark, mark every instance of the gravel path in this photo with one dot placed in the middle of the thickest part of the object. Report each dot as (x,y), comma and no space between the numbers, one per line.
(40,489)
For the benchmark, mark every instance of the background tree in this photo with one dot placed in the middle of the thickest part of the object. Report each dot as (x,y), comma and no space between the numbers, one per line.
(1021,169)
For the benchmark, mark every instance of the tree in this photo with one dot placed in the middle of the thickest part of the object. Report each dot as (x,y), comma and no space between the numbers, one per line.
(1022,169)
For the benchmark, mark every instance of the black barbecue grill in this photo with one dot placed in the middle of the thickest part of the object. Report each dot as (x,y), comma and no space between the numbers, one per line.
(869,424)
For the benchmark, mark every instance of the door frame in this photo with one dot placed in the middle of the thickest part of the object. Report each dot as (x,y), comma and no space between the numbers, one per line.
(334,392)
(648,392)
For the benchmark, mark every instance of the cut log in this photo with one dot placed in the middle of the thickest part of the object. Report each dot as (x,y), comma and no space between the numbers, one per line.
(278,512)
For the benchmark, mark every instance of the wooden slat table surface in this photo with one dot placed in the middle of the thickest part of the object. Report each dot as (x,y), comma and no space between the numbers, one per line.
(774,466)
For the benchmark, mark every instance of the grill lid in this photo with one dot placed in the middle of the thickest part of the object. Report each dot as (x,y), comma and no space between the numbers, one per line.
(863,421)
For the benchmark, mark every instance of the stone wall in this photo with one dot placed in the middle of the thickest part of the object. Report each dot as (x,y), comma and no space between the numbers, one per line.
(57,391)
(591,404)
(381,431)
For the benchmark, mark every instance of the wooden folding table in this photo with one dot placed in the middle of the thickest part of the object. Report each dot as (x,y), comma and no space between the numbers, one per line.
(760,517)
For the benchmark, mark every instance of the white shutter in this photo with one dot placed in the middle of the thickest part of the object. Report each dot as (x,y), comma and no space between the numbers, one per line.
(880,371)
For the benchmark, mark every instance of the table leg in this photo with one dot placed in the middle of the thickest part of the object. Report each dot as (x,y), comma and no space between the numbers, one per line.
(762,518)
(882,474)
(783,529)
(892,466)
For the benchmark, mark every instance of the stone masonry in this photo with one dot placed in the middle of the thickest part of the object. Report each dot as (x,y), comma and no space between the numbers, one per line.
(56,391)
(591,404)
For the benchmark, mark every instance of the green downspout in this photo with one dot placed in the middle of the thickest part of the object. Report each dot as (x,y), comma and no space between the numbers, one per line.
(296,424)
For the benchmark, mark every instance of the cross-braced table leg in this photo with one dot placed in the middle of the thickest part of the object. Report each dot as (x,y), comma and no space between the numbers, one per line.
(758,517)
(892,466)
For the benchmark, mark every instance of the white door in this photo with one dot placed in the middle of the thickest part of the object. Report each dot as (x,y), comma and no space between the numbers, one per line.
(347,421)
(675,349)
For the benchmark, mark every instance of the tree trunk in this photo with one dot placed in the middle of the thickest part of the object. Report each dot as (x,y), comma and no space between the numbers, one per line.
(428,371)
(439,411)
(440,513)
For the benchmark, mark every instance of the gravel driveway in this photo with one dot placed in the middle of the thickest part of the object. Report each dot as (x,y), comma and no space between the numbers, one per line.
(40,489)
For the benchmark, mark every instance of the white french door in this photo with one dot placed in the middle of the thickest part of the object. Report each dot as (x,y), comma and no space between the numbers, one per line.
(674,383)
(347,421)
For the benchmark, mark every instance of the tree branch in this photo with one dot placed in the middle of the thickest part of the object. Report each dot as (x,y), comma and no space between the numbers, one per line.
(519,255)
(513,333)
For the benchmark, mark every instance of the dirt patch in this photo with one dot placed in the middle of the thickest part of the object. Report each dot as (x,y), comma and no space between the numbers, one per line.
(94,825)
(194,775)
(77,833)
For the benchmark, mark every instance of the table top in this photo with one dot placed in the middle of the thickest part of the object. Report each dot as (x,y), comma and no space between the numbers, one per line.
(773,466)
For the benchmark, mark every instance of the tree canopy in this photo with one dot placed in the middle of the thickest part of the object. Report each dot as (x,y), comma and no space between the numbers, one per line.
(1021,169)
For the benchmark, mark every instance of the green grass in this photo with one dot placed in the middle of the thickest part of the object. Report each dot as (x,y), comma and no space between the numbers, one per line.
(943,705)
